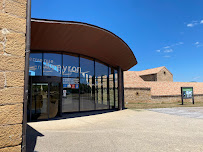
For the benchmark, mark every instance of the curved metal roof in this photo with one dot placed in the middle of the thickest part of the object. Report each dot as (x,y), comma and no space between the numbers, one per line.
(81,38)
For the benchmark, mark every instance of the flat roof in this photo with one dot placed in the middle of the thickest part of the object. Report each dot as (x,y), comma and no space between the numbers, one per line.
(81,38)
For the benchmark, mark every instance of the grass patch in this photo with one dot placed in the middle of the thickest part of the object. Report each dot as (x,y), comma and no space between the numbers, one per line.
(161,105)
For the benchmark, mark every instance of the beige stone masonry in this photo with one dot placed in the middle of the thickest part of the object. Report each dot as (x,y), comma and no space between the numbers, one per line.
(21,1)
(14,79)
(11,95)
(11,149)
(2,79)
(12,23)
(1,4)
(19,9)
(1,36)
(12,63)
(10,135)
(11,114)
(15,43)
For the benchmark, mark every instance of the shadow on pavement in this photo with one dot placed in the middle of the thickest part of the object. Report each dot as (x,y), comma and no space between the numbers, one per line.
(31,138)
(82,114)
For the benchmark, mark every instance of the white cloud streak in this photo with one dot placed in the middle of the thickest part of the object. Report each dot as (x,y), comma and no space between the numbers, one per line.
(194,23)
(168,50)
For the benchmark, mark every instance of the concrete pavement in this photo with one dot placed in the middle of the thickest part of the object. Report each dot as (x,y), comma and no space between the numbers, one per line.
(120,131)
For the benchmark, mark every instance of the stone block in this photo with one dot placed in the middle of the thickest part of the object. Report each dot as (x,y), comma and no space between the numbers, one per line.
(15,79)
(12,23)
(1,37)
(11,95)
(11,149)
(1,4)
(11,114)
(1,49)
(10,135)
(15,44)
(2,79)
(15,8)
(21,1)
(11,63)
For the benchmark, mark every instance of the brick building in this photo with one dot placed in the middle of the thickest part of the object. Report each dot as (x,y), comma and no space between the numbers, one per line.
(156,85)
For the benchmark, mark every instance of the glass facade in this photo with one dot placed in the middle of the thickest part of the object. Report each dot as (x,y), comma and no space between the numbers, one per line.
(86,84)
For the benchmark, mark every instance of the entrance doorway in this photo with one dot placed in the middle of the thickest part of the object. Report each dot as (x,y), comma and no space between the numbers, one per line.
(44,102)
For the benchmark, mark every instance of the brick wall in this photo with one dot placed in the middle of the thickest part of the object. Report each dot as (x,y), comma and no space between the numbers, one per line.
(12,60)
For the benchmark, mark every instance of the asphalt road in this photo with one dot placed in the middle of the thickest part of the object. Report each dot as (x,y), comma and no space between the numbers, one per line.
(154,130)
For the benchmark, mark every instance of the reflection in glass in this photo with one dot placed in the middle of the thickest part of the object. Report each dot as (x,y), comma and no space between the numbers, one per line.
(87,88)
(101,72)
(39,101)
(54,99)
(70,66)
(35,68)
(116,88)
(52,64)
(111,88)
(70,99)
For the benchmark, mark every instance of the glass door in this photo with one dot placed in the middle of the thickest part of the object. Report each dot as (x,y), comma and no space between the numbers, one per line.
(39,104)
(54,98)
(44,101)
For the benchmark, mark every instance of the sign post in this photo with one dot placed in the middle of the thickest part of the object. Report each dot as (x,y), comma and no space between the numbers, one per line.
(187,93)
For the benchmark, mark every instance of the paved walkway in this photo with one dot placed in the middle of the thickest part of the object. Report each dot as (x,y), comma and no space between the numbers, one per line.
(120,131)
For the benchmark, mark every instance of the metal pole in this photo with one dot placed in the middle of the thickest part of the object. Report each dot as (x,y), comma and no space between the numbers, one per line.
(26,74)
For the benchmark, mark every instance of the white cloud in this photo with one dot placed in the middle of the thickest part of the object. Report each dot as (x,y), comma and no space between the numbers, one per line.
(195,78)
(168,50)
(190,25)
(158,51)
(166,47)
(196,43)
(194,23)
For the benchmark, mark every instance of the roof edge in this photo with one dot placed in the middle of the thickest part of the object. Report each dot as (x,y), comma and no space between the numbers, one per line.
(87,24)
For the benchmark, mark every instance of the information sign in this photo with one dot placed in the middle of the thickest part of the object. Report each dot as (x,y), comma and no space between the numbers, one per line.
(187,93)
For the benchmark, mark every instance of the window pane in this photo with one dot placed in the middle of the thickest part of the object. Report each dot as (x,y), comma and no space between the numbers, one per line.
(70,66)
(70,100)
(111,88)
(87,81)
(87,67)
(35,67)
(116,88)
(86,94)
(100,69)
(52,64)
(101,72)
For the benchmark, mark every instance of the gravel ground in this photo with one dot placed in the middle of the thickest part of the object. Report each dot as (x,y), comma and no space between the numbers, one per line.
(154,130)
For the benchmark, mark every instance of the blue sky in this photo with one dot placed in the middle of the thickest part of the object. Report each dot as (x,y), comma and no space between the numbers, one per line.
(159,32)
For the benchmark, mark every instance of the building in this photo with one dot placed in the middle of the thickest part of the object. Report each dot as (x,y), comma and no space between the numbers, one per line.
(157,86)
(73,67)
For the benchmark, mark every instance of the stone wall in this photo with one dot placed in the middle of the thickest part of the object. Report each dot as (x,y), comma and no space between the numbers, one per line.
(164,75)
(143,95)
(175,98)
(137,95)
(150,77)
(12,57)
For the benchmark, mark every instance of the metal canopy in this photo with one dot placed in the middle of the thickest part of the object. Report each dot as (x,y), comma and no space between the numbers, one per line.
(81,38)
